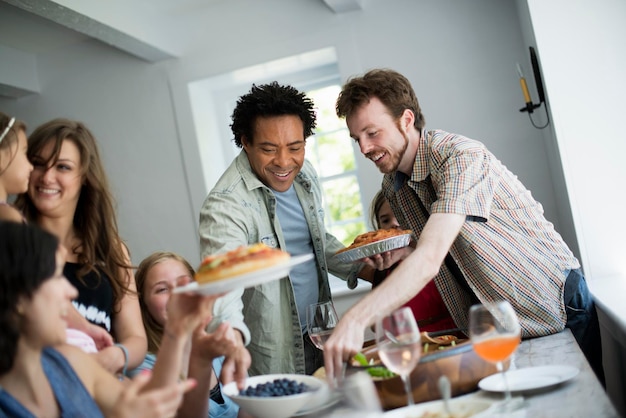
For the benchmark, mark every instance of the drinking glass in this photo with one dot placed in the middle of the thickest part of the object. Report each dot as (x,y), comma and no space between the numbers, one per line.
(321,319)
(399,345)
(495,334)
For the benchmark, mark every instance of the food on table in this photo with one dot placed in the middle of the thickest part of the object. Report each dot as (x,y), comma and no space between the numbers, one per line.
(241,260)
(374,371)
(374,236)
(430,344)
(277,387)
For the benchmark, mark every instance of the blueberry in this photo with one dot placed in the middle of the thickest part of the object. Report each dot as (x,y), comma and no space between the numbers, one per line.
(278,387)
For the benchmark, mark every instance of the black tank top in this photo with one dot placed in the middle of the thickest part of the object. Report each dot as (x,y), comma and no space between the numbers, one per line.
(95,297)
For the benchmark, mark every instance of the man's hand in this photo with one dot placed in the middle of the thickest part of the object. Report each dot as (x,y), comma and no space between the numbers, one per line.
(345,341)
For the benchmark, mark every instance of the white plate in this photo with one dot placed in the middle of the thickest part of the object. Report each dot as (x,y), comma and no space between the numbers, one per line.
(529,378)
(245,280)
(377,247)
(319,403)
(461,407)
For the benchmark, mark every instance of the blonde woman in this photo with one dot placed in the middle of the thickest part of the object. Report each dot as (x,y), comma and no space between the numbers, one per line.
(156,276)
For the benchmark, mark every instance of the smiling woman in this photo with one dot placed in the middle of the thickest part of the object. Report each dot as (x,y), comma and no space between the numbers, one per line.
(69,196)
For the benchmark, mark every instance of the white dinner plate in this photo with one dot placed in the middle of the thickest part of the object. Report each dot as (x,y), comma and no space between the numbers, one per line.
(320,403)
(377,247)
(245,280)
(461,407)
(529,378)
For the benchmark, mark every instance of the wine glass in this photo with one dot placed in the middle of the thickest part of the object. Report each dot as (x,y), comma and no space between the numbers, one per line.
(399,345)
(321,319)
(495,333)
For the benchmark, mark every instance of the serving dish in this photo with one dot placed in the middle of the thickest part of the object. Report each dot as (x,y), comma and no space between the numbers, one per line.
(458,362)
(280,406)
(377,247)
(245,280)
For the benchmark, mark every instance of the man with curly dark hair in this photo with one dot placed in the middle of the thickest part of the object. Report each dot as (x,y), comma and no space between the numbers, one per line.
(270,193)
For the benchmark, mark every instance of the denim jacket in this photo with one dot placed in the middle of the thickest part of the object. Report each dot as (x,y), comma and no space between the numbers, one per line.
(241,210)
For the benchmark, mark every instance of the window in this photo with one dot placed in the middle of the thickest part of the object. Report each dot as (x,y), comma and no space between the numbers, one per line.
(329,149)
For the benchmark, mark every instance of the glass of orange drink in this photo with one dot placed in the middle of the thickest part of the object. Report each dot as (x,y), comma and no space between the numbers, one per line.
(495,333)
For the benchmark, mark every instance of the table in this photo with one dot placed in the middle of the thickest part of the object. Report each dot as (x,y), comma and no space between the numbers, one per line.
(582,396)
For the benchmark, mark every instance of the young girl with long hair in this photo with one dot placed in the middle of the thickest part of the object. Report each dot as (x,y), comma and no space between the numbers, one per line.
(156,276)
(15,168)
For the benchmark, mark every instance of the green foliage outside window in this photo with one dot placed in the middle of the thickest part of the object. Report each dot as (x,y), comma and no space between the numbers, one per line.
(331,153)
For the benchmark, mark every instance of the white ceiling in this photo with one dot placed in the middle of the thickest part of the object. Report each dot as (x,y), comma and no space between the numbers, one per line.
(149,29)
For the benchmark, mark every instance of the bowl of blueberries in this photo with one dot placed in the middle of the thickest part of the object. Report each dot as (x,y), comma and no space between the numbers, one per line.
(278,395)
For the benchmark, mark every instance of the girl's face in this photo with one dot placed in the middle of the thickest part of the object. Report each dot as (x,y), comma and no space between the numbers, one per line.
(14,166)
(161,278)
(46,313)
(386,218)
(55,190)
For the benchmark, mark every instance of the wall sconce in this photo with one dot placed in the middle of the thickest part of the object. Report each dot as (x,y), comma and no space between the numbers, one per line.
(530,106)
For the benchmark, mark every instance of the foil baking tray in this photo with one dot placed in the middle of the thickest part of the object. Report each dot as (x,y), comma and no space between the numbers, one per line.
(377,247)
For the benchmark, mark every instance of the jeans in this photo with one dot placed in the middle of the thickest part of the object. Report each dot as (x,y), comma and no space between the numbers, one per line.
(582,320)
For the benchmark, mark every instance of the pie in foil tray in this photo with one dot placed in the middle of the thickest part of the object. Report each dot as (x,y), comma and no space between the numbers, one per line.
(376,247)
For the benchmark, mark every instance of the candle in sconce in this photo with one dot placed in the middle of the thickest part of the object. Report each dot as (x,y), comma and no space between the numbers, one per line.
(522,82)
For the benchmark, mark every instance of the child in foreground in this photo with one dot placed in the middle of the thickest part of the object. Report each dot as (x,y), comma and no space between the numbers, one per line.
(156,276)
(15,168)
(427,306)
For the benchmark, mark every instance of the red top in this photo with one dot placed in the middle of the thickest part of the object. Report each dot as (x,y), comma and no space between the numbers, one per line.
(428,307)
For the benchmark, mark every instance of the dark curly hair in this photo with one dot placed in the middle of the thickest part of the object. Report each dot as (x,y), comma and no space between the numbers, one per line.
(270,100)
(392,88)
(27,259)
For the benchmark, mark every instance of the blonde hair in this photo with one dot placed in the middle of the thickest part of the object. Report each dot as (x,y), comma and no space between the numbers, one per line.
(154,330)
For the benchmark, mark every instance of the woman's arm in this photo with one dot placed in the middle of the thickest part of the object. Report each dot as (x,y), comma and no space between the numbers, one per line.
(118,400)
(128,330)
(204,349)
(100,336)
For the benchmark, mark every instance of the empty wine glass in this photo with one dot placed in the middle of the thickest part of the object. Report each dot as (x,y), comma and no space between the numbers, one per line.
(321,319)
(495,333)
(399,345)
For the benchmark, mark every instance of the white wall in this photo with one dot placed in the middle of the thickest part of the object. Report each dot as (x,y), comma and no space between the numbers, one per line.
(581,47)
(583,55)
(460,56)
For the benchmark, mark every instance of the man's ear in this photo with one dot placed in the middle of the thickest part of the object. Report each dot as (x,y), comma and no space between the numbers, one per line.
(245,143)
(407,119)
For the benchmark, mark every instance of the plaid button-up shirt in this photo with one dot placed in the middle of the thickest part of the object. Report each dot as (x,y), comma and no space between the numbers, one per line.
(506,248)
